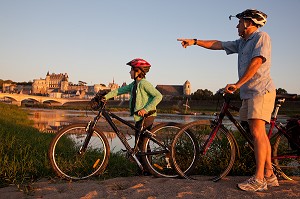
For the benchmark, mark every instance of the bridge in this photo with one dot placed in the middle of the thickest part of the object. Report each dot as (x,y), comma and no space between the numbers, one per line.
(18,98)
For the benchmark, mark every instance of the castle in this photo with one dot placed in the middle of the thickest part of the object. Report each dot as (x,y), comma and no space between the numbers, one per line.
(58,86)
(59,82)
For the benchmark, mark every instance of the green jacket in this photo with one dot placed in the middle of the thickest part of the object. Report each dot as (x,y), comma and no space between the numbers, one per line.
(147,97)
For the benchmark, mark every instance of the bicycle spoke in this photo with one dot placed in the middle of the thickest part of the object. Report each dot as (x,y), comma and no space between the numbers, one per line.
(217,160)
(158,160)
(66,159)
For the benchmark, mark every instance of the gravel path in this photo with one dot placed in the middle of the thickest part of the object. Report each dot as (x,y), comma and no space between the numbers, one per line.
(150,188)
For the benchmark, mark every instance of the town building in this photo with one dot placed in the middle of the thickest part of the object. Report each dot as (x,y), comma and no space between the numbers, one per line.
(58,86)
(172,91)
(52,83)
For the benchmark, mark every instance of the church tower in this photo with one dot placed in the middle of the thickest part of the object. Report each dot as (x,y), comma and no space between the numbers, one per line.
(187,88)
(64,83)
(47,81)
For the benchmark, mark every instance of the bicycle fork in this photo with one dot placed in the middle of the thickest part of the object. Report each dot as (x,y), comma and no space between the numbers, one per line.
(89,132)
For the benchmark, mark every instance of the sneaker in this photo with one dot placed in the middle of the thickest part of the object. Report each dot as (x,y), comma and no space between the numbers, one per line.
(272,181)
(253,184)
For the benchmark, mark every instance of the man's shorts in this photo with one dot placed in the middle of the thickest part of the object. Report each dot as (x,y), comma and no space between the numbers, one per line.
(259,107)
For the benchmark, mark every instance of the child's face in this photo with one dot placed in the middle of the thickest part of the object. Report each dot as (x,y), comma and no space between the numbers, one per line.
(131,73)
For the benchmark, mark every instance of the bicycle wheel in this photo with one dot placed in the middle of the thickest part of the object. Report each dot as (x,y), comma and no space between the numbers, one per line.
(158,161)
(217,161)
(285,158)
(64,153)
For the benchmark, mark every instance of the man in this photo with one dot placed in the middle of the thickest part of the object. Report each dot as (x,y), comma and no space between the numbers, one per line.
(256,88)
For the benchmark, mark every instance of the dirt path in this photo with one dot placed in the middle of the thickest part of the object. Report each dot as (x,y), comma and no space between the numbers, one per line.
(150,188)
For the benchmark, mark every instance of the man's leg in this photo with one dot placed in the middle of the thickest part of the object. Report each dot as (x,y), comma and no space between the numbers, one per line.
(262,148)
(258,110)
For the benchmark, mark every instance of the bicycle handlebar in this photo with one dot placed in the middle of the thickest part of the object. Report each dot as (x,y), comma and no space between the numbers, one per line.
(287,96)
(221,91)
(99,102)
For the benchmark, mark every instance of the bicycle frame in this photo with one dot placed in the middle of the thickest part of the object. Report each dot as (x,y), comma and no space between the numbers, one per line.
(218,122)
(108,116)
(281,130)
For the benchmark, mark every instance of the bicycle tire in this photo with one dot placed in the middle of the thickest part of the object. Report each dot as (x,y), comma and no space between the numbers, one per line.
(64,155)
(159,164)
(219,157)
(287,166)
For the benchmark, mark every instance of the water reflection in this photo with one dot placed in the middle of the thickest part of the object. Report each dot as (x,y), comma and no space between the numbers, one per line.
(50,121)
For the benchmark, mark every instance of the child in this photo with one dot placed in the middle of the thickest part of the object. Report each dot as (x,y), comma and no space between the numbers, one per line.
(143,96)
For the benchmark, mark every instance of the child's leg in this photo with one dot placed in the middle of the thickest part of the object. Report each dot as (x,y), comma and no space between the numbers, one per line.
(148,123)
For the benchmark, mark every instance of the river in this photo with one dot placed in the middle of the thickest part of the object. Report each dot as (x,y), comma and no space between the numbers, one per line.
(50,120)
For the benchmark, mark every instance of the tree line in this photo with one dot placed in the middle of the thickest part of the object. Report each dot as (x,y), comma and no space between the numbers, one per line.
(205,94)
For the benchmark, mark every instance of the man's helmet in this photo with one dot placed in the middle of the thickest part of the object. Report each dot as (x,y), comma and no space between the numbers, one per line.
(141,64)
(258,17)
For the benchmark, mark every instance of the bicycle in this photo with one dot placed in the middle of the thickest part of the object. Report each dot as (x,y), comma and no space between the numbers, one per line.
(218,145)
(81,150)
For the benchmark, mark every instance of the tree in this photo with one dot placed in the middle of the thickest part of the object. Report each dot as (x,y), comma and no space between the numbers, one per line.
(4,81)
(281,91)
(24,83)
(201,94)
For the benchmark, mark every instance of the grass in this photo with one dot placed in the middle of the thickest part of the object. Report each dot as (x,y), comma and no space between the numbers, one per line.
(23,151)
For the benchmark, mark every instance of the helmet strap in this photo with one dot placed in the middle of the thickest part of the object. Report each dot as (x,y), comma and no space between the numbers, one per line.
(135,75)
(138,74)
(247,24)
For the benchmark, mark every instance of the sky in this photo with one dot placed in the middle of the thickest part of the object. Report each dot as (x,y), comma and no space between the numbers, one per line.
(92,40)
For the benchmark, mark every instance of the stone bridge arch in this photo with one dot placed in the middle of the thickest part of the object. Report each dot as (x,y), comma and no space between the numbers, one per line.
(18,98)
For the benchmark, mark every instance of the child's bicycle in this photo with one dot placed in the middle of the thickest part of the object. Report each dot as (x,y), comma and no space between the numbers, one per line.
(81,150)
(218,145)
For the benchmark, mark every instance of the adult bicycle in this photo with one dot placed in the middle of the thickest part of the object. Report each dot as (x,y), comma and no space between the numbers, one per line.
(219,147)
(81,150)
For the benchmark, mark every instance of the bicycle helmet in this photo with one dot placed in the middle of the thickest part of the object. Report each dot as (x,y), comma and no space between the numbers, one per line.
(258,17)
(141,64)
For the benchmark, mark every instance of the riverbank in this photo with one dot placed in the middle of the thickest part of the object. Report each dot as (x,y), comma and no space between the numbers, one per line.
(148,187)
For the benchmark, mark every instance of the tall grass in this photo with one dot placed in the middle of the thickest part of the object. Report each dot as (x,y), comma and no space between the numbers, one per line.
(23,151)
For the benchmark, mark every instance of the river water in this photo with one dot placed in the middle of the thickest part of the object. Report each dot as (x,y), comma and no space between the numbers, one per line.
(50,120)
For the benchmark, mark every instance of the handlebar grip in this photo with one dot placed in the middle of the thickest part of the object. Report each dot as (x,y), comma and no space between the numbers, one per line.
(231,88)
(147,114)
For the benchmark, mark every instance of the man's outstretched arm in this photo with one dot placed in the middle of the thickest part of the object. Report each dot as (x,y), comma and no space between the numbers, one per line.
(209,44)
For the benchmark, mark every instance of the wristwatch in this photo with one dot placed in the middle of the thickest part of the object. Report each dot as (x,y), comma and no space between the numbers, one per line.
(195,41)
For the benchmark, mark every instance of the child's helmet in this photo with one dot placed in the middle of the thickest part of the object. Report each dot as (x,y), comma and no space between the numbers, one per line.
(141,64)
(258,17)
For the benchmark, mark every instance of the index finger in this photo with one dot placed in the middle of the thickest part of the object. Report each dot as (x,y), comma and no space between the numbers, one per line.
(181,39)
